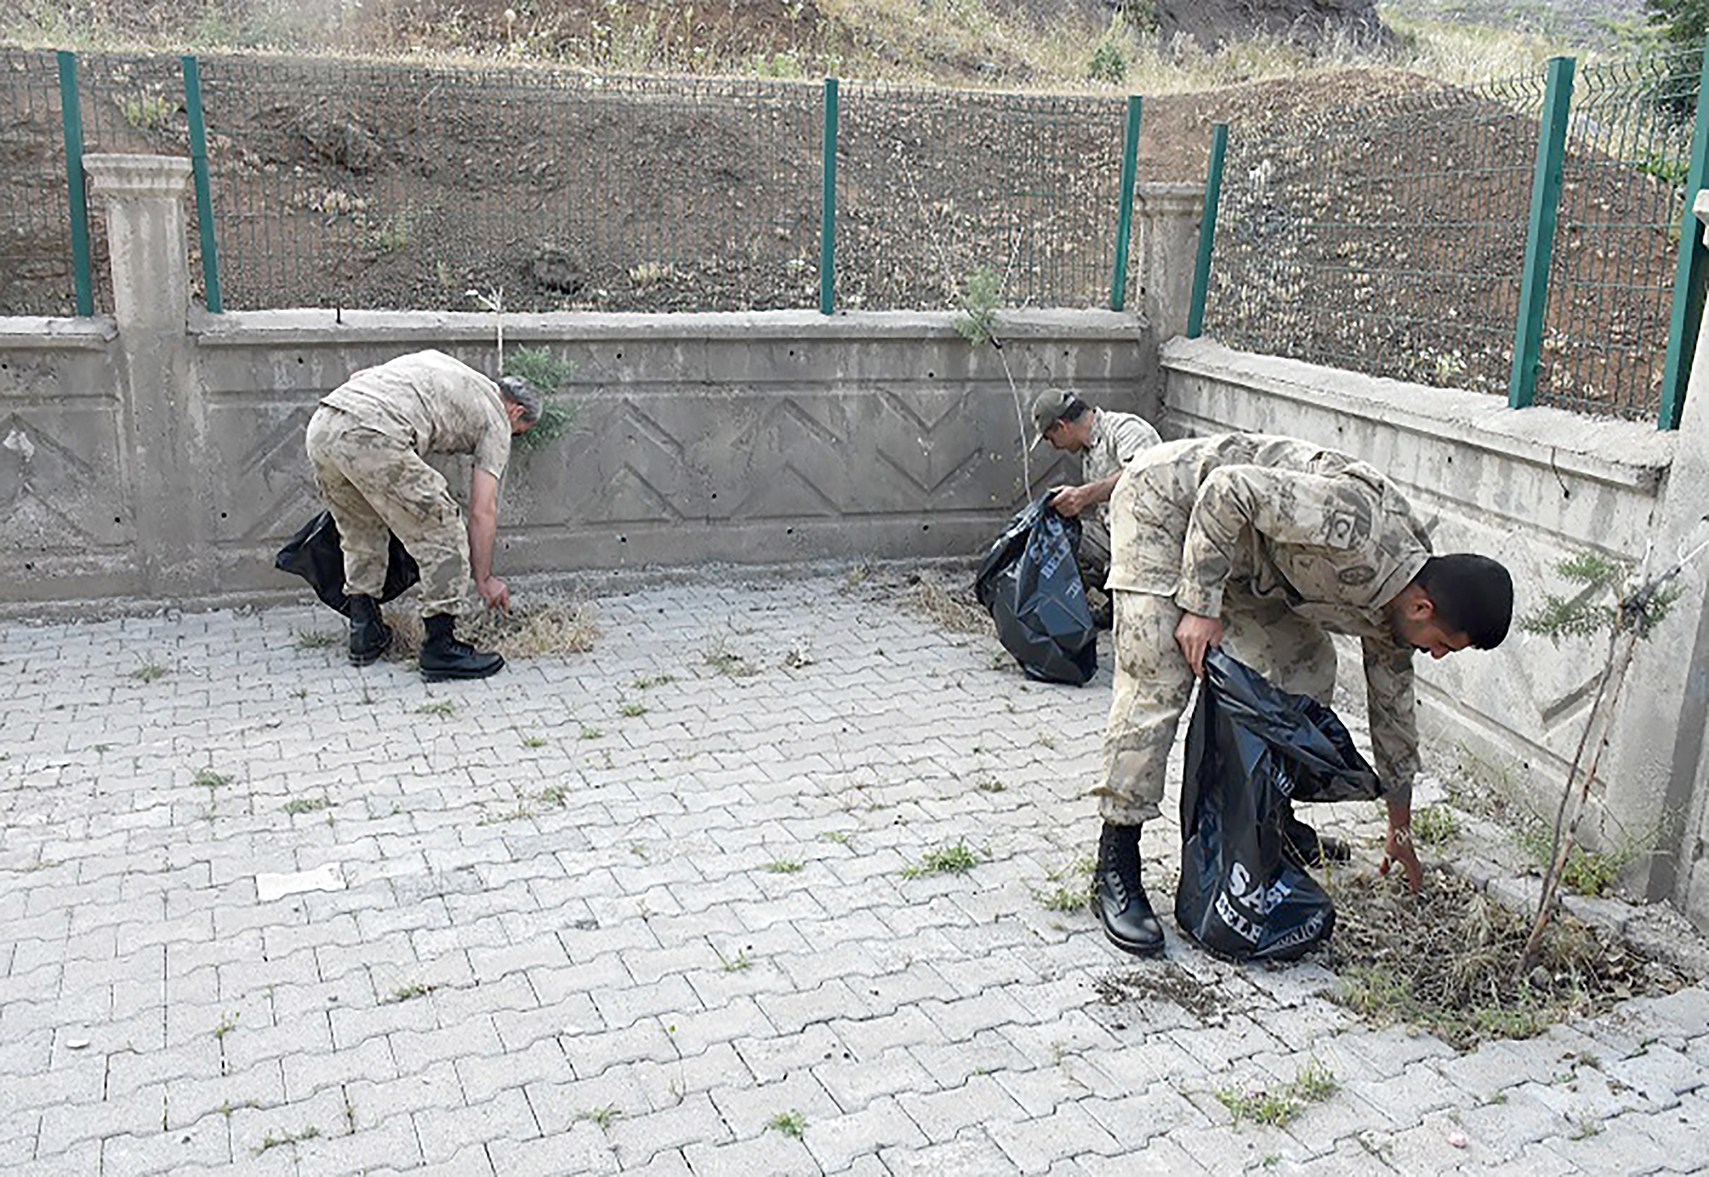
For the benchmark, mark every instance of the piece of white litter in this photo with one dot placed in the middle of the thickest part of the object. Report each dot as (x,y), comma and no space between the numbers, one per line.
(1457,1139)
(322,878)
(76,1043)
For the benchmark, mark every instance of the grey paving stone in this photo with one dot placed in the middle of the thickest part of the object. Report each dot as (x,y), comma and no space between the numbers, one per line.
(369,1147)
(855,1082)
(770,1155)
(484,1076)
(435,1086)
(138,1113)
(205,1142)
(583,1149)
(1135,1121)
(838,1143)
(943,1115)
(591,1054)
(1037,1144)
(444,1131)
(695,1120)
(307,1072)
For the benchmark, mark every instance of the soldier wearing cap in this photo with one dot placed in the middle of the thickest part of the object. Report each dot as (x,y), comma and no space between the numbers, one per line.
(1107,441)
(1267,545)
(368,442)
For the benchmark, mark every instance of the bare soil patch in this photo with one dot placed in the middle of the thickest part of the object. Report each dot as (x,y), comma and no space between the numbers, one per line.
(1165,981)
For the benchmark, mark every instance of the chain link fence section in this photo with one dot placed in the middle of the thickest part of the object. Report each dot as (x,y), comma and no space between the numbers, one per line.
(35,219)
(340,184)
(1387,238)
(934,186)
(1628,151)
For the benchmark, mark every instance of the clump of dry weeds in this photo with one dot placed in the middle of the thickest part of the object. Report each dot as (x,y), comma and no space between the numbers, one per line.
(1444,960)
(543,625)
(953,607)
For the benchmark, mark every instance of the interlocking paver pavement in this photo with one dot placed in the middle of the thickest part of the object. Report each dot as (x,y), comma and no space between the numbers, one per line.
(635,910)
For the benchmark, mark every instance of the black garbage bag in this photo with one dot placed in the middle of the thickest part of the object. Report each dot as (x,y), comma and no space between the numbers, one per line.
(1031,584)
(1243,893)
(315,555)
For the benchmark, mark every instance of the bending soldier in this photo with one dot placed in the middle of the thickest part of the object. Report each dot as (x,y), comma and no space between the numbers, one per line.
(1263,544)
(368,441)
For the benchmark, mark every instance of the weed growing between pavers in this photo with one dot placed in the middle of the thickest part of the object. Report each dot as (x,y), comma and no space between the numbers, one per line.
(1073,889)
(293,1138)
(792,1124)
(727,662)
(952,859)
(308,804)
(603,1116)
(540,626)
(1444,960)
(1277,1106)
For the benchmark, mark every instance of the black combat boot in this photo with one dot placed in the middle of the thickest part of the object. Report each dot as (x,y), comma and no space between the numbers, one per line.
(1119,894)
(1307,845)
(444,657)
(369,636)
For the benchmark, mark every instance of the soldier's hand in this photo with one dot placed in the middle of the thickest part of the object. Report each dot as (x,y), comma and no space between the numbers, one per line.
(1195,635)
(1399,849)
(1069,501)
(495,593)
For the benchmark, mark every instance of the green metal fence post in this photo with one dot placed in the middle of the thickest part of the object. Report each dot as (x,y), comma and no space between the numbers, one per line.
(1207,231)
(71,115)
(199,168)
(828,205)
(1540,236)
(1124,212)
(1692,270)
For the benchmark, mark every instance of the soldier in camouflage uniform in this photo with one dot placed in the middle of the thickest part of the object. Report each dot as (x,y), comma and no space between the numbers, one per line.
(367,442)
(1107,442)
(1266,545)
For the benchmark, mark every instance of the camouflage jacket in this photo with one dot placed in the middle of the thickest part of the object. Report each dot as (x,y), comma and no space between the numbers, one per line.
(1117,439)
(1324,531)
(438,404)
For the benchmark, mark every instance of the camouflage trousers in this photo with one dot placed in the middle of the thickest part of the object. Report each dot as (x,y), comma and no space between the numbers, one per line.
(1153,684)
(373,483)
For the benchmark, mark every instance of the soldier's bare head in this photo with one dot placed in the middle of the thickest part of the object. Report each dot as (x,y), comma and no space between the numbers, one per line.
(523,402)
(1454,602)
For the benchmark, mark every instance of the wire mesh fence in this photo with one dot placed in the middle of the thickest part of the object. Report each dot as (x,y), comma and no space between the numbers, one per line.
(35,220)
(1387,239)
(934,187)
(1622,198)
(409,186)
(131,104)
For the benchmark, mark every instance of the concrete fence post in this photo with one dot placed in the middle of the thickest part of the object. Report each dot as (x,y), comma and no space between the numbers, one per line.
(1168,252)
(164,414)
(1657,777)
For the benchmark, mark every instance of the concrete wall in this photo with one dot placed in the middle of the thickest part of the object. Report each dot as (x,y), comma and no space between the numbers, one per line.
(750,439)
